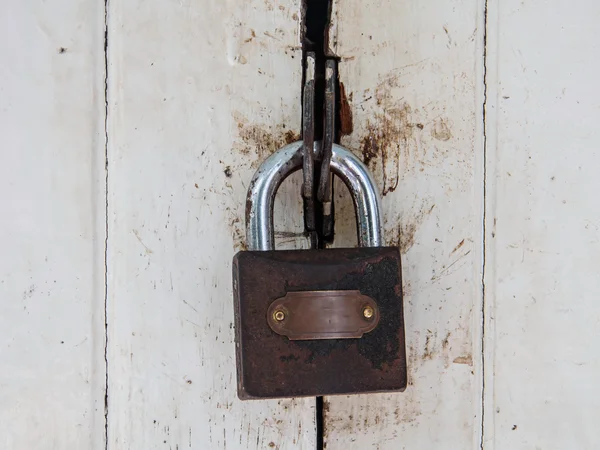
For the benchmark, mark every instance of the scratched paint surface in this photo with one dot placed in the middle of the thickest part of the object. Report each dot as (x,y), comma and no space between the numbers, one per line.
(542,233)
(199,93)
(52,225)
(412,88)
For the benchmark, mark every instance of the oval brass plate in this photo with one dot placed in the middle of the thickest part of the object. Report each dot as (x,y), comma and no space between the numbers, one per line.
(323,315)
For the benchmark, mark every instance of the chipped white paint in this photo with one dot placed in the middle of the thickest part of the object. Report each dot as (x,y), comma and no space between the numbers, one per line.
(412,73)
(199,93)
(310,69)
(542,234)
(52,225)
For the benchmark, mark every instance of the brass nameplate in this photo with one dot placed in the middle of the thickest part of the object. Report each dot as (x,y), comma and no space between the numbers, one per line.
(323,315)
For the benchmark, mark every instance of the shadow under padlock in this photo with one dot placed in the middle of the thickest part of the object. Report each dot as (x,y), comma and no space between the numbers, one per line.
(317,322)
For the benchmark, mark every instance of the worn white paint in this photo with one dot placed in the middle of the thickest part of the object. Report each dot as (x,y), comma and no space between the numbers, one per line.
(542,233)
(412,71)
(52,226)
(199,93)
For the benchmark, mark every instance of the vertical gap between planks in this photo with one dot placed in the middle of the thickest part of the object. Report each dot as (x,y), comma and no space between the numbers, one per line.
(106,224)
(484,222)
(320,422)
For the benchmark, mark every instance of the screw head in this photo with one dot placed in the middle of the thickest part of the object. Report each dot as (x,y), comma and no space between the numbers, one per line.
(368,312)
(279,315)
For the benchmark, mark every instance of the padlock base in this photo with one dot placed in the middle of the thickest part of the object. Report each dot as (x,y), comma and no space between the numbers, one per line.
(270,365)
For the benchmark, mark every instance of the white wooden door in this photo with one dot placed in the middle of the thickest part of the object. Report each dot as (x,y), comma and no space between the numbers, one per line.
(542,226)
(413,72)
(130,132)
(192,109)
(52,225)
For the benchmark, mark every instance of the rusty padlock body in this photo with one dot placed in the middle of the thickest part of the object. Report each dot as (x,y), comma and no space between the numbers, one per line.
(317,322)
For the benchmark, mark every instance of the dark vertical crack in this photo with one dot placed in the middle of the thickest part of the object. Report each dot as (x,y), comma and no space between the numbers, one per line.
(484,221)
(106,224)
(320,419)
(314,39)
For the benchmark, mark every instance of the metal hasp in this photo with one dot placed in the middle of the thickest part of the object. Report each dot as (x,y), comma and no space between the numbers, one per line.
(308,140)
(276,168)
(317,322)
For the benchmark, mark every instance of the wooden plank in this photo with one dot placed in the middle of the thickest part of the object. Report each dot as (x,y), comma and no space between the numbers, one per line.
(52,225)
(412,75)
(199,93)
(542,256)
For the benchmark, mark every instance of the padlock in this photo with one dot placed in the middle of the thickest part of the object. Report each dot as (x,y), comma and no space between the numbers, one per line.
(317,322)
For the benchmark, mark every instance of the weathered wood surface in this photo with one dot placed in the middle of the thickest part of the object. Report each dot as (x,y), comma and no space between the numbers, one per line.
(412,76)
(199,93)
(52,226)
(542,226)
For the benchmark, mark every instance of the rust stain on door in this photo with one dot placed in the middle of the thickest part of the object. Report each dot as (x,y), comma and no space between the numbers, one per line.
(257,142)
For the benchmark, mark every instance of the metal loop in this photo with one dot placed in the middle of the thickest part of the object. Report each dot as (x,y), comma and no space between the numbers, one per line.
(287,160)
(308,139)
(324,191)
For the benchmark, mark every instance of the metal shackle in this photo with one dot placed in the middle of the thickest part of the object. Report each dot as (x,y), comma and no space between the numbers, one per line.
(287,160)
